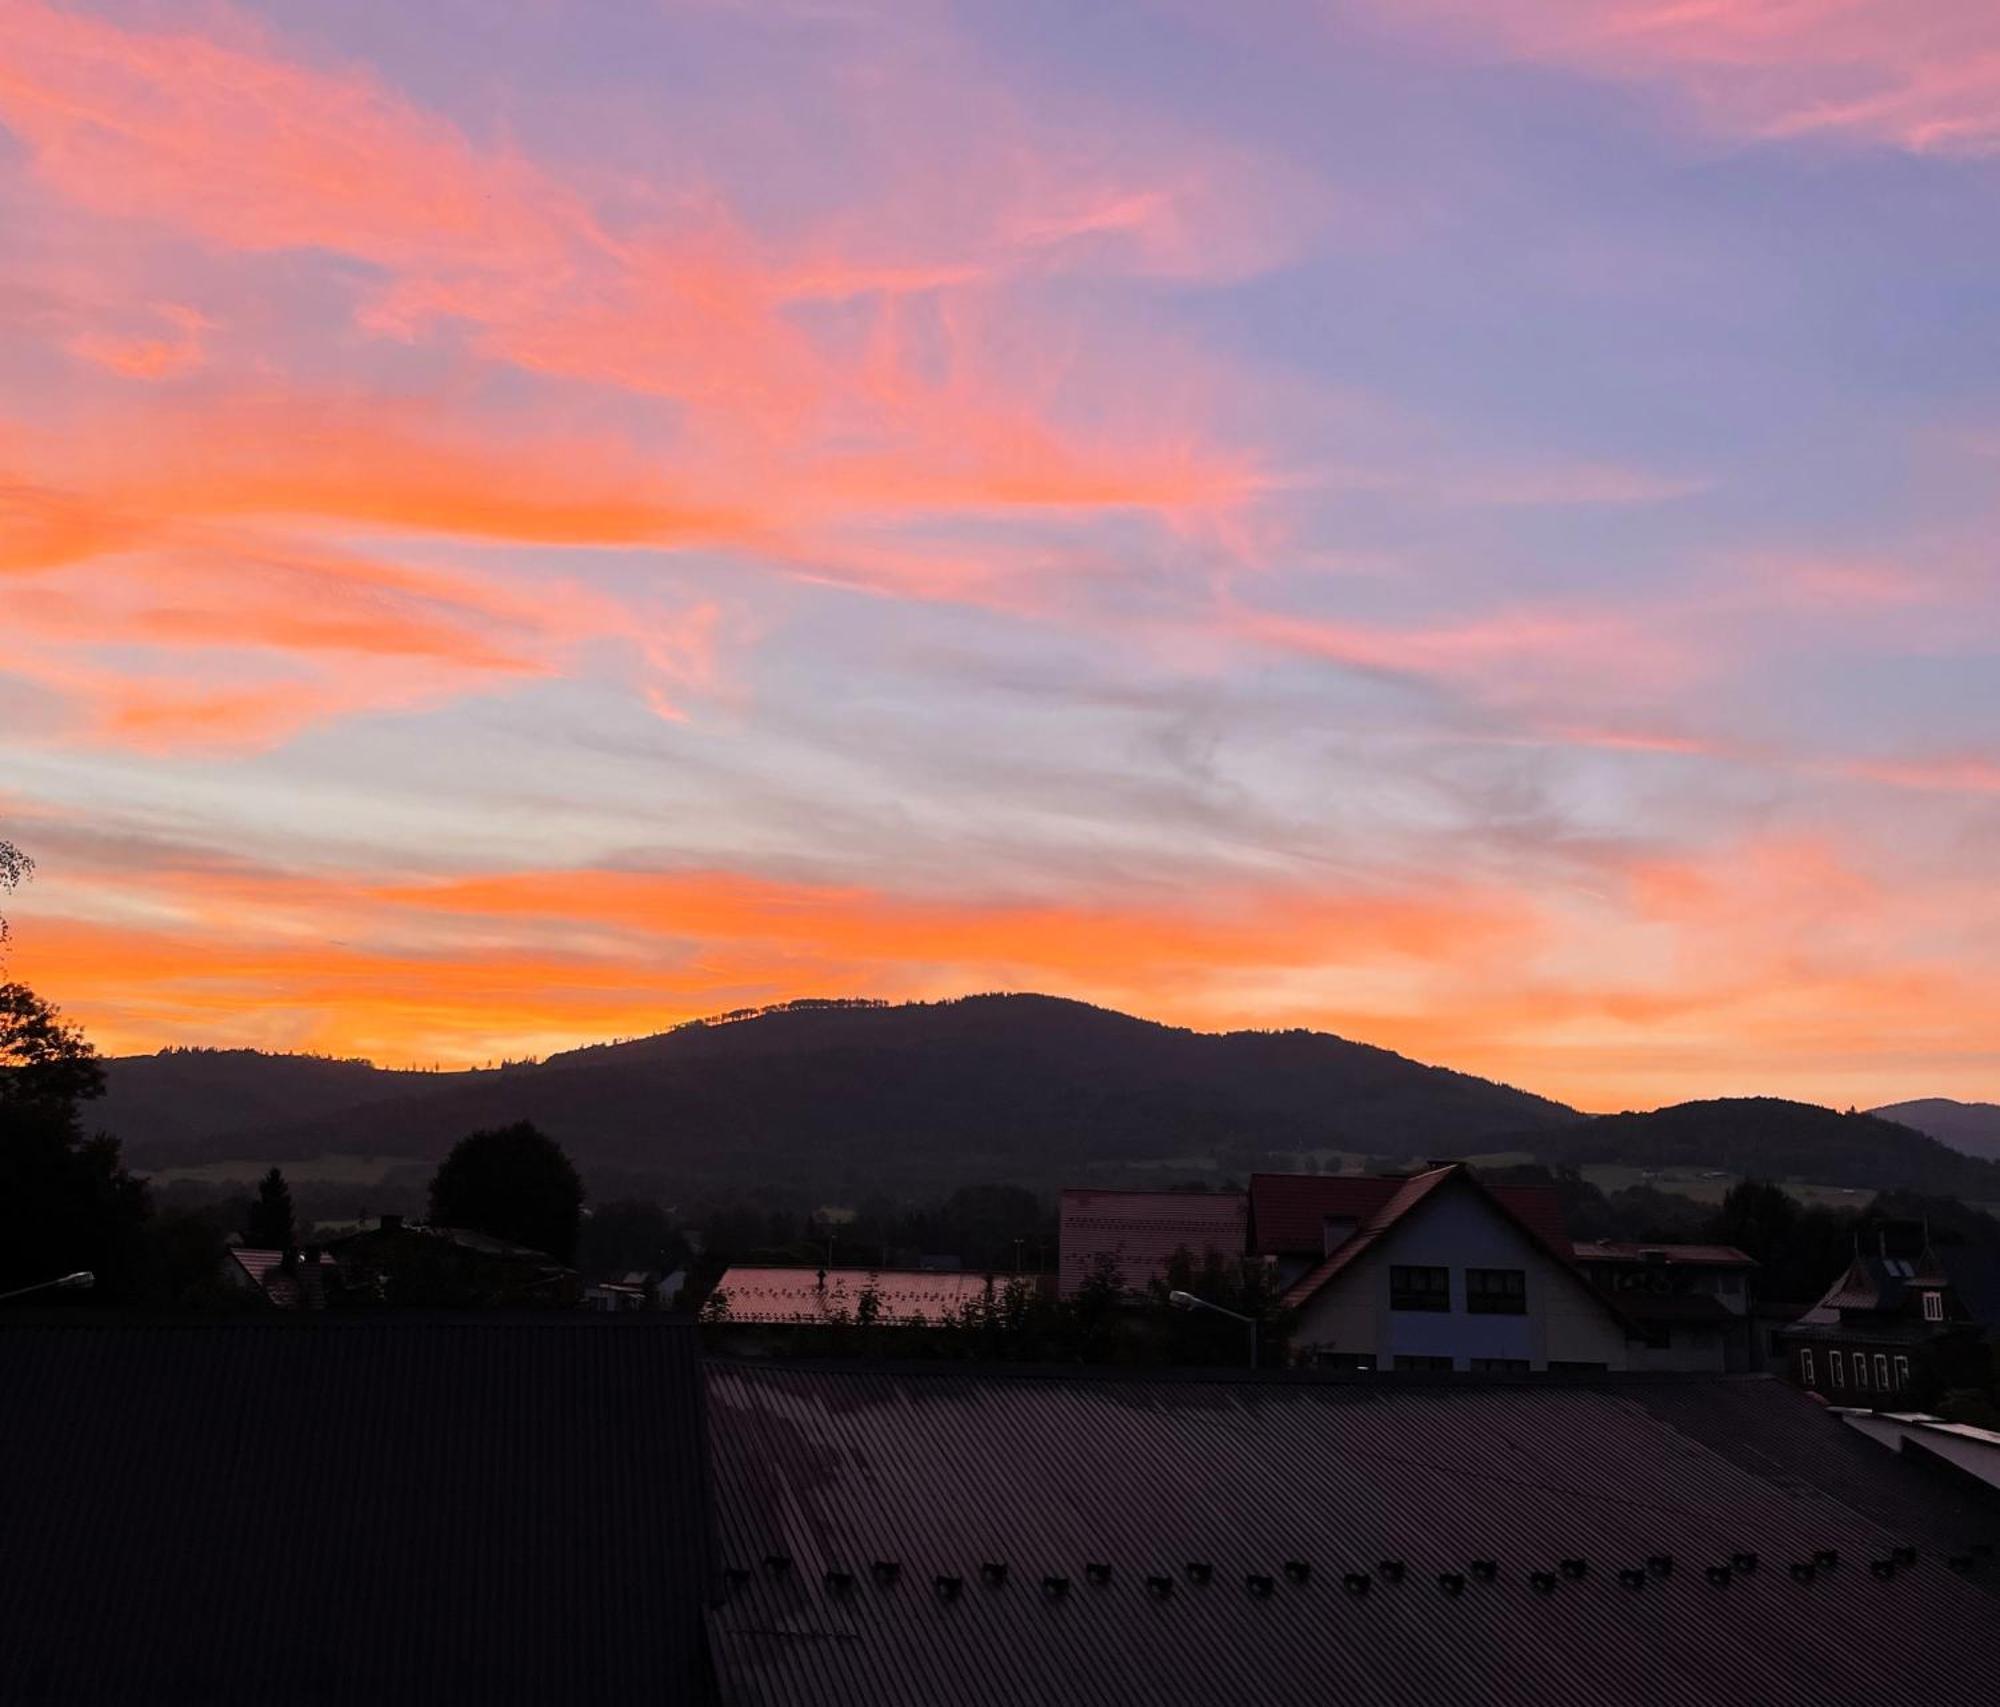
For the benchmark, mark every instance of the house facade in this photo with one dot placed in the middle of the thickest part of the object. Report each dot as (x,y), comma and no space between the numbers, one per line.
(1446,1274)
(1861,1343)
(1691,1303)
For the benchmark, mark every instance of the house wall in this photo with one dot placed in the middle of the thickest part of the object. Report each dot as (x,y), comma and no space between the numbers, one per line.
(1458,1229)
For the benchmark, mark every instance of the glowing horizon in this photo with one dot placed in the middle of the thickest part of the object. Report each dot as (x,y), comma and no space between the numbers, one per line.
(1461,525)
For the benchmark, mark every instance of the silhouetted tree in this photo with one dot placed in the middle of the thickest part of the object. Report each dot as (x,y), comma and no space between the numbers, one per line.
(514,1183)
(14,867)
(270,1226)
(631,1234)
(66,1201)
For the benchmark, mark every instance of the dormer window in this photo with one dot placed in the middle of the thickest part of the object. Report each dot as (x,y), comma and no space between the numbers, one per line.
(1933,1306)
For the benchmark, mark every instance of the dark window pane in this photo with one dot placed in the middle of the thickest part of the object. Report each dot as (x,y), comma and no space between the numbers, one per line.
(1419,1288)
(1496,1291)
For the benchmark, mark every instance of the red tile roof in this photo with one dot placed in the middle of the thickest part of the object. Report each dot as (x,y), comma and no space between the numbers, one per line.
(796,1297)
(1143,1229)
(1288,1212)
(289,1289)
(1535,1209)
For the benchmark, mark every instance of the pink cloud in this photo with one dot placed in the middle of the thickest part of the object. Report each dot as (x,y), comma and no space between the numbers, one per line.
(1873,71)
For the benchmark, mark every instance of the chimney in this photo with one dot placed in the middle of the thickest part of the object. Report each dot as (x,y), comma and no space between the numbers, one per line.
(1335,1231)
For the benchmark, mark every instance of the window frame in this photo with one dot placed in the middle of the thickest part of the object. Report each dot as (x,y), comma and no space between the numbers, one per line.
(1933,1306)
(1836,1367)
(1881,1372)
(1501,1366)
(1421,1363)
(1435,1300)
(1503,1300)
(1861,1372)
(1902,1373)
(1808,1376)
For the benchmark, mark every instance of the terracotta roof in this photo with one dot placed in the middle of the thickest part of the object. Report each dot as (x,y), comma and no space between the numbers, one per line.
(300,1287)
(1408,1194)
(1193,1494)
(1289,1212)
(1143,1229)
(797,1297)
(1670,1256)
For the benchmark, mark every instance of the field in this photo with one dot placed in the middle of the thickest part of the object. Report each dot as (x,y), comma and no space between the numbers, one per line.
(317,1170)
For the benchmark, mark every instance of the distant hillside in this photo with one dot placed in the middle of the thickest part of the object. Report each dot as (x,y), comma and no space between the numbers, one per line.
(173,1102)
(848,1099)
(1777,1140)
(1973,1127)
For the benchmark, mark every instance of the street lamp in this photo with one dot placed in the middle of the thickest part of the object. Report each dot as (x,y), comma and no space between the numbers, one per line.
(1188,1301)
(81,1281)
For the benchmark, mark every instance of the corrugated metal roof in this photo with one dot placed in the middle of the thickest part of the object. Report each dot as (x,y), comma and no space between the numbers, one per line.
(806,1297)
(1193,1494)
(1142,1230)
(329,1510)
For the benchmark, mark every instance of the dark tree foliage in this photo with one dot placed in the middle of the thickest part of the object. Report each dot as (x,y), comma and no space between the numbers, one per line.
(15,867)
(66,1201)
(271,1225)
(514,1183)
(630,1235)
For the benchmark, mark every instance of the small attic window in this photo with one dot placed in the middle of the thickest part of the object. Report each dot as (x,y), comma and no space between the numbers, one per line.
(1933,1306)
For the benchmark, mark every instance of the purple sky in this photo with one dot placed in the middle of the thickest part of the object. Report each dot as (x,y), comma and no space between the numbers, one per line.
(1466,524)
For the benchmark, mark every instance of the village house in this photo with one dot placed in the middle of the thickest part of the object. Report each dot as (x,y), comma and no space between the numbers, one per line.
(1901,1295)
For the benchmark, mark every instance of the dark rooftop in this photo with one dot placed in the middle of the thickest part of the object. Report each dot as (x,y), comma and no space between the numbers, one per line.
(333,1510)
(923,1535)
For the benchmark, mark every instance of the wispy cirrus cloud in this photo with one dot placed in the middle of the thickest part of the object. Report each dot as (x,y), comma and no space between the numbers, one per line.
(1863,71)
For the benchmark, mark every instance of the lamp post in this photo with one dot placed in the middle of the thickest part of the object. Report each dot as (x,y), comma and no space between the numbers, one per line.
(81,1281)
(1188,1301)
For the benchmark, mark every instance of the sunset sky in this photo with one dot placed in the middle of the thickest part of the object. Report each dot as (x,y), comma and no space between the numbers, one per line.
(1465,523)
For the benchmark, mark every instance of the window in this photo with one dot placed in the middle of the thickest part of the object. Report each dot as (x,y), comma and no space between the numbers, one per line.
(1406,1362)
(1837,1367)
(1933,1306)
(1861,1370)
(1806,1375)
(1500,1366)
(1352,1362)
(1496,1291)
(1902,1373)
(1558,1367)
(1419,1288)
(1882,1371)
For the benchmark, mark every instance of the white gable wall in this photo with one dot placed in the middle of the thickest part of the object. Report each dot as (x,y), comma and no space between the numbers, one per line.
(1458,1228)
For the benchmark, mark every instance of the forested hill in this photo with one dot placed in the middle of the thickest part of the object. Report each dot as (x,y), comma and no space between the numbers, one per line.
(1973,1127)
(1776,1140)
(853,1098)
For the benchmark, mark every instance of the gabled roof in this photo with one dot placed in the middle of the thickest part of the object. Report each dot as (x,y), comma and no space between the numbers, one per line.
(331,1510)
(1289,1212)
(1208,1487)
(1144,1229)
(1534,1209)
(299,1285)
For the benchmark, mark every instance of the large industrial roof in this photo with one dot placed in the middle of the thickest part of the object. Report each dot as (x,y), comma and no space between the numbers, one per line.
(808,1297)
(926,1536)
(327,1511)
